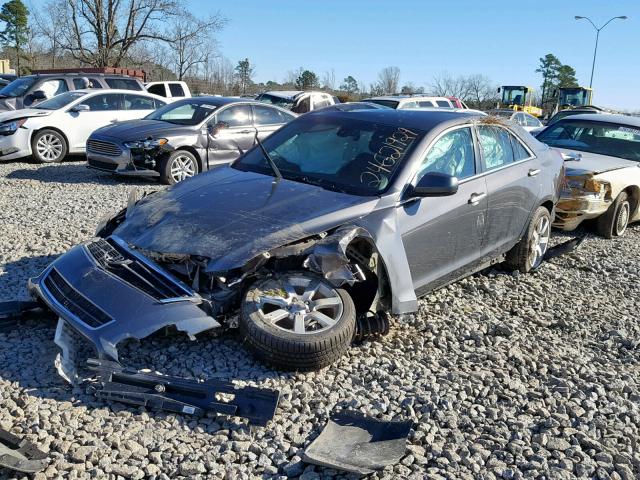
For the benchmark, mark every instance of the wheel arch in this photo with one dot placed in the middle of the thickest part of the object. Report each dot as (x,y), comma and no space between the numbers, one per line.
(55,129)
(193,152)
(633,192)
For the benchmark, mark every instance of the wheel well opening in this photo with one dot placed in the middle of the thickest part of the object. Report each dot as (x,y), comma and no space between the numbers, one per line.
(634,197)
(372,294)
(548,205)
(35,132)
(192,151)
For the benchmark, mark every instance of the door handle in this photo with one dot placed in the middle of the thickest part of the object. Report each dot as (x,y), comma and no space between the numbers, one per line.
(475,198)
(533,172)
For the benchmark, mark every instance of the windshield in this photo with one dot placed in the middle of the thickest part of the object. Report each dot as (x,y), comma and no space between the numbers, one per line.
(18,87)
(60,101)
(384,103)
(514,95)
(336,153)
(613,139)
(192,112)
(275,100)
(575,97)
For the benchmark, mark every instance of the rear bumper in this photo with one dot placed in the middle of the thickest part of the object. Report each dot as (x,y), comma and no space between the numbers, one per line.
(107,293)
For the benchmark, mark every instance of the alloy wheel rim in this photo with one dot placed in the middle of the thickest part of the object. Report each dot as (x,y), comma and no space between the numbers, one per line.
(623,219)
(539,241)
(300,305)
(182,167)
(49,147)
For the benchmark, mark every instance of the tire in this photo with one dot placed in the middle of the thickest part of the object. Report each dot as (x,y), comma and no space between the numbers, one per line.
(528,254)
(613,223)
(49,146)
(178,166)
(268,326)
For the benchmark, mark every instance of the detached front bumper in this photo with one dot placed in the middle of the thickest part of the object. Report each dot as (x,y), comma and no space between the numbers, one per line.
(573,208)
(106,292)
(16,145)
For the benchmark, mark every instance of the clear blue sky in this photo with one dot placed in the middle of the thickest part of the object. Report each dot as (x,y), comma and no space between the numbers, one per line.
(501,39)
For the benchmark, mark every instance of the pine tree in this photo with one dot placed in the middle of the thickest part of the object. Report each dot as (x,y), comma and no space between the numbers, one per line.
(15,16)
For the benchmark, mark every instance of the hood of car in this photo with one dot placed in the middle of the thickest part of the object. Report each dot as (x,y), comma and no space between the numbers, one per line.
(23,113)
(230,216)
(142,129)
(593,163)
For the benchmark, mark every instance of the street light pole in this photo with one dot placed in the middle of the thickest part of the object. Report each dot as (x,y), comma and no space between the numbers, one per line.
(595,50)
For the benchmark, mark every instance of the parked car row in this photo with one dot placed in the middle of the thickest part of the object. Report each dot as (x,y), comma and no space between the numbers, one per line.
(303,247)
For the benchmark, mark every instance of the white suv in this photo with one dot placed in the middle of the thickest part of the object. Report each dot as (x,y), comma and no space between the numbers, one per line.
(298,101)
(411,101)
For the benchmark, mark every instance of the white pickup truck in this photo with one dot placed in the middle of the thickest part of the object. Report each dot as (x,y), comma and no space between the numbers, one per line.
(172,90)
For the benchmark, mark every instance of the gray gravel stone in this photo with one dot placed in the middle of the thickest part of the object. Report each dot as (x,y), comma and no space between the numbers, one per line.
(505,376)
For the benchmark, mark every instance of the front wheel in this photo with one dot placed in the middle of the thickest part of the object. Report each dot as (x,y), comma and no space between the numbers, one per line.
(49,146)
(614,222)
(528,254)
(297,321)
(178,166)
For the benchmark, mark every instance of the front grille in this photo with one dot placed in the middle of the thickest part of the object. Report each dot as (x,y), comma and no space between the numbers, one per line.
(103,148)
(102,165)
(115,260)
(74,302)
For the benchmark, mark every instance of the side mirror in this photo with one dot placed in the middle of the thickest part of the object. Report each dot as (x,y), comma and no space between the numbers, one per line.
(38,95)
(80,108)
(435,184)
(499,89)
(217,128)
(571,156)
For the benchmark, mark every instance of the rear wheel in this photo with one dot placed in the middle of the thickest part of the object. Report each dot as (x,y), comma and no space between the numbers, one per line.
(614,222)
(297,321)
(49,146)
(528,254)
(178,166)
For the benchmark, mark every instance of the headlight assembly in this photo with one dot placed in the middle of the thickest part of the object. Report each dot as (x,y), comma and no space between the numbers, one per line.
(148,144)
(9,128)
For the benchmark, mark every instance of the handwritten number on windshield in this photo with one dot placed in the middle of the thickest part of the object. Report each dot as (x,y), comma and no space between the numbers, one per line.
(387,157)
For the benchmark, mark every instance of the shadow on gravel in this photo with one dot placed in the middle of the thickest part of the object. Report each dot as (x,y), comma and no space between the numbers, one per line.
(74,173)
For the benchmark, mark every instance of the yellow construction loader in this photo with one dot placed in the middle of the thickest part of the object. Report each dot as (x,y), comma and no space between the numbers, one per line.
(519,98)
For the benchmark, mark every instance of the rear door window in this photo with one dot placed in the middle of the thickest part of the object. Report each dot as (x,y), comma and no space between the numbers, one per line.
(269,116)
(495,146)
(123,83)
(425,103)
(176,90)
(443,103)
(138,102)
(519,150)
(78,83)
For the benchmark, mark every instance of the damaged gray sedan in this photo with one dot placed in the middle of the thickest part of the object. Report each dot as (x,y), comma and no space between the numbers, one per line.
(332,221)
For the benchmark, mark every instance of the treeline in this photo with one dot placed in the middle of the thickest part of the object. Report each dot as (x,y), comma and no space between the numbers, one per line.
(170,42)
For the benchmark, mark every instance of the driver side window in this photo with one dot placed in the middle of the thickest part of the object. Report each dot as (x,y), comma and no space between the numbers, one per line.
(452,154)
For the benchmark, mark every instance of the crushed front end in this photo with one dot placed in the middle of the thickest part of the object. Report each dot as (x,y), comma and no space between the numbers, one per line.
(104,292)
(583,197)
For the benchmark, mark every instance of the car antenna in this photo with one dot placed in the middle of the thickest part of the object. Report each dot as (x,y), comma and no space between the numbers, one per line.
(272,164)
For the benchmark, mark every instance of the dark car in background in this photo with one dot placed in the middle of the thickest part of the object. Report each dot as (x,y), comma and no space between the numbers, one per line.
(336,216)
(29,90)
(184,138)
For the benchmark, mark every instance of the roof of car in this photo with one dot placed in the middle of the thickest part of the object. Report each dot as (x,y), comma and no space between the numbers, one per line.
(284,93)
(216,101)
(419,119)
(605,117)
(397,98)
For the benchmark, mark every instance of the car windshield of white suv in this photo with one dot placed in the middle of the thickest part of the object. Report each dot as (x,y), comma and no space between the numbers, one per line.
(18,87)
(345,155)
(60,101)
(190,113)
(612,139)
(283,102)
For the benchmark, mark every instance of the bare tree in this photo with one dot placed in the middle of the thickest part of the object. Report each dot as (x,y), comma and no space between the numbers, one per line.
(329,80)
(446,85)
(389,79)
(50,29)
(481,91)
(191,40)
(101,33)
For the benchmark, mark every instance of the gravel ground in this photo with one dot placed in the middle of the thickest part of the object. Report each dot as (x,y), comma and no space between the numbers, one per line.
(505,376)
